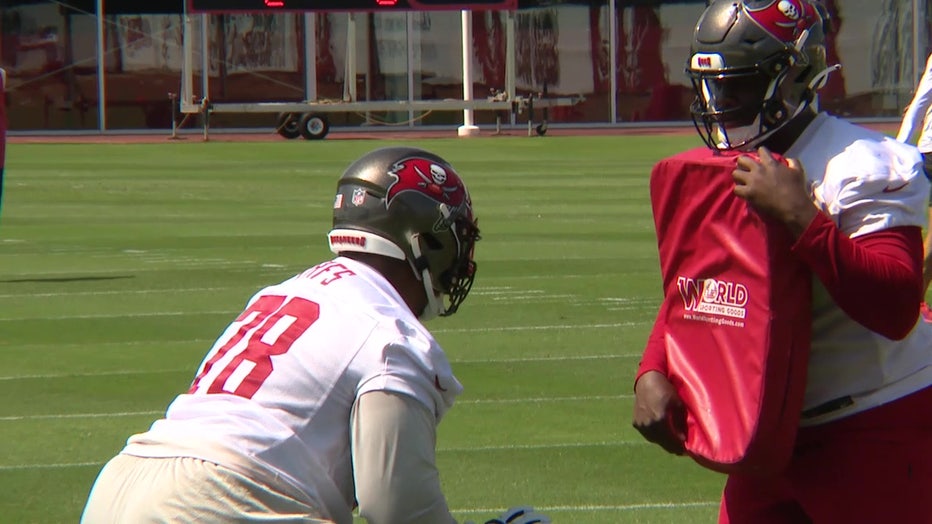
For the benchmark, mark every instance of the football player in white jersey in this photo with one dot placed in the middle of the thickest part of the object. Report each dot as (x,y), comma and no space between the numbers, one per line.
(855,201)
(916,127)
(323,396)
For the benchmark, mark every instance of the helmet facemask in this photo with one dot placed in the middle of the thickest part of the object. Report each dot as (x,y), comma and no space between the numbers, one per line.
(446,289)
(738,108)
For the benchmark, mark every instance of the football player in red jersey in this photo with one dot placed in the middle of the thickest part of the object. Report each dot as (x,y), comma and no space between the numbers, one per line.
(855,201)
(323,396)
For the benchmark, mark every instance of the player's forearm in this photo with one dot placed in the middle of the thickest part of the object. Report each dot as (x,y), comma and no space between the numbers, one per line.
(876,278)
(917,109)
(394,466)
(910,123)
(655,352)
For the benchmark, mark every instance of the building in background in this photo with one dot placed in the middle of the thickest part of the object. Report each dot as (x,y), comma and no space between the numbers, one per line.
(625,57)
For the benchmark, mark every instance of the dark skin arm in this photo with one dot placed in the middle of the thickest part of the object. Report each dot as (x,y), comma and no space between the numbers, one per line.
(659,414)
(884,265)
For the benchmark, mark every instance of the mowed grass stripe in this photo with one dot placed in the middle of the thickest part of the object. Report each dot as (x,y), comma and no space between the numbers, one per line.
(477,291)
(535,400)
(440,449)
(110,433)
(151,391)
(146,371)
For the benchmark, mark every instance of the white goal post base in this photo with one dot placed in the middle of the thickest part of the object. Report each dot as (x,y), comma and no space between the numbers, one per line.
(467,131)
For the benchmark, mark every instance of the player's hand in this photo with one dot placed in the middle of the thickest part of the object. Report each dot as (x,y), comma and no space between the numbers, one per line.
(659,414)
(775,188)
(520,515)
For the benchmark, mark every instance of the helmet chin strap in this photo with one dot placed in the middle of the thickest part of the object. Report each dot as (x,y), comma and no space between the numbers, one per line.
(741,135)
(434,307)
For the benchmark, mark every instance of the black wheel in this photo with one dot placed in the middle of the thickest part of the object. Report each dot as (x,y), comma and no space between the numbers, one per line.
(288,126)
(314,126)
(541,129)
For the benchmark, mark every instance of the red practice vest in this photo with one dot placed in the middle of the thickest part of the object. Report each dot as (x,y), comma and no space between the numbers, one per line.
(737,315)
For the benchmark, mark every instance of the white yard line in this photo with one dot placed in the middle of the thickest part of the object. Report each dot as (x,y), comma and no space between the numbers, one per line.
(122,315)
(119,414)
(619,507)
(468,449)
(612,325)
(233,312)
(561,358)
(555,445)
(126,372)
(116,292)
(466,511)
(81,415)
(535,400)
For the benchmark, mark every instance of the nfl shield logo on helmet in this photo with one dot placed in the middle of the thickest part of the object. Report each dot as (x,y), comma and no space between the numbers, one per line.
(359,196)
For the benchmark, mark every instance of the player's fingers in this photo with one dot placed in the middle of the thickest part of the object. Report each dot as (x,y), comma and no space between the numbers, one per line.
(745,163)
(650,431)
(660,433)
(766,157)
(672,444)
(794,163)
(741,191)
(740,177)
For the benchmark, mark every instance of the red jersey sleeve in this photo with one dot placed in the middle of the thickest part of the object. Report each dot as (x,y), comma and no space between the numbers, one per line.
(655,352)
(876,279)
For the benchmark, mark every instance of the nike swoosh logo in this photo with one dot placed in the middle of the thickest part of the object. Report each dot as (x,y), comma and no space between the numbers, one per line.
(437,383)
(889,189)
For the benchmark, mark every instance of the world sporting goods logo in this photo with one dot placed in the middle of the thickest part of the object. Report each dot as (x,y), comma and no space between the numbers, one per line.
(713,297)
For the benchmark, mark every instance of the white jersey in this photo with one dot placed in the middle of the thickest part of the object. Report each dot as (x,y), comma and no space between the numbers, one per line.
(916,117)
(273,397)
(865,181)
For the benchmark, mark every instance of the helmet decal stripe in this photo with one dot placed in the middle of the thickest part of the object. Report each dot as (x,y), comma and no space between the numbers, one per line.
(786,20)
(363,241)
(428,177)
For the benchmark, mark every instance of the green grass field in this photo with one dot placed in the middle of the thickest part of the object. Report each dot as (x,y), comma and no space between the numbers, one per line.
(119,264)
